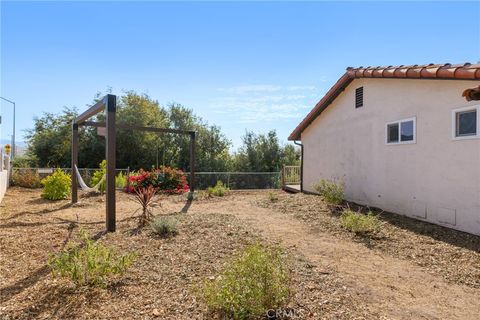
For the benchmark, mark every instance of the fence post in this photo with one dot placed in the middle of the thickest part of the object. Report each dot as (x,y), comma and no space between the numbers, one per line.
(283,176)
(128,180)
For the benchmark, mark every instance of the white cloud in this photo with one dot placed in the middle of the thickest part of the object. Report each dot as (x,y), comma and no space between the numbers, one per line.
(251,88)
(265,102)
(262,88)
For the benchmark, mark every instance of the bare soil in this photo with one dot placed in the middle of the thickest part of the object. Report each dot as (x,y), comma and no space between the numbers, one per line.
(441,251)
(335,275)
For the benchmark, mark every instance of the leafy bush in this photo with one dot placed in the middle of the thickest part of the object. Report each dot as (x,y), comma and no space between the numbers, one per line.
(56,186)
(360,223)
(164,226)
(331,192)
(98,175)
(90,264)
(121,180)
(254,282)
(272,196)
(26,179)
(219,190)
(164,179)
(25,161)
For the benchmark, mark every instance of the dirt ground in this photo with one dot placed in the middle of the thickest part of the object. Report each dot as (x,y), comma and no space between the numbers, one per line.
(335,275)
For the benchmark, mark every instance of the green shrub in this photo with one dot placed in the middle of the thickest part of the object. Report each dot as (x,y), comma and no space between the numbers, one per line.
(91,264)
(26,179)
(121,180)
(98,175)
(360,223)
(331,192)
(25,161)
(56,186)
(254,282)
(272,196)
(164,226)
(218,191)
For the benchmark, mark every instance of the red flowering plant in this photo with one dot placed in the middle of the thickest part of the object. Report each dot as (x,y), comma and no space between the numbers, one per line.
(146,184)
(164,179)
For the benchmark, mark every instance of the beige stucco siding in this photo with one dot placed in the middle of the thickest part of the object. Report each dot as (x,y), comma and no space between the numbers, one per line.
(436,175)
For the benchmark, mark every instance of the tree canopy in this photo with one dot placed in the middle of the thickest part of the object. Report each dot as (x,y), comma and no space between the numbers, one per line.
(49,141)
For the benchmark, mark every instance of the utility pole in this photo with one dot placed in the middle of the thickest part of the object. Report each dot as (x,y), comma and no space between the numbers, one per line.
(13,136)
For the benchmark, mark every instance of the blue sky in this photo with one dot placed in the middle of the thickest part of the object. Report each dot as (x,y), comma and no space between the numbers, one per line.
(251,65)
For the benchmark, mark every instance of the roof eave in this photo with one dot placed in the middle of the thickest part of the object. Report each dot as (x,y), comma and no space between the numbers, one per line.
(447,71)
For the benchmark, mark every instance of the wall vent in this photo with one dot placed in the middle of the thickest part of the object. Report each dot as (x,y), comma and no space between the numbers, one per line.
(359,97)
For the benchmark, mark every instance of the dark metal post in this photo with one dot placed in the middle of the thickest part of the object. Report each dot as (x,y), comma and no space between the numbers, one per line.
(74,162)
(192,161)
(111,105)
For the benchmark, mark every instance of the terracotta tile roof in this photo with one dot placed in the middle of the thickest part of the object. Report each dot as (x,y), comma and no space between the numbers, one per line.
(465,71)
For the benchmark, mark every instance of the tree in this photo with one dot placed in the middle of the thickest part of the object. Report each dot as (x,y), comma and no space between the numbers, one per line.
(50,139)
(263,153)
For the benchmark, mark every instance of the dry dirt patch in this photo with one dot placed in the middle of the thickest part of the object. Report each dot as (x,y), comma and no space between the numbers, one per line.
(162,281)
(453,254)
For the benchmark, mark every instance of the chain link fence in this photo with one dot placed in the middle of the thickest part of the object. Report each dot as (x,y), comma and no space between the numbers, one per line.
(86,173)
(239,180)
(232,180)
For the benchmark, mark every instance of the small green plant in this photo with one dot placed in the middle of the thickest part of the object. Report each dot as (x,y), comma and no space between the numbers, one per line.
(164,226)
(98,175)
(219,190)
(26,179)
(331,191)
(254,282)
(56,186)
(359,223)
(121,180)
(90,264)
(272,196)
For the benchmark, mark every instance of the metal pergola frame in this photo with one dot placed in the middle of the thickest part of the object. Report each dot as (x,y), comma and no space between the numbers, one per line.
(109,103)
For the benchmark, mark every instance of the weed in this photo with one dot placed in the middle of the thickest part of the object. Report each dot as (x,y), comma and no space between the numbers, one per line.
(91,264)
(254,282)
(331,191)
(164,226)
(272,196)
(219,190)
(359,223)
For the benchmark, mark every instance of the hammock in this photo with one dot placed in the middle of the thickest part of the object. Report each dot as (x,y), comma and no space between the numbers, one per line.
(83,185)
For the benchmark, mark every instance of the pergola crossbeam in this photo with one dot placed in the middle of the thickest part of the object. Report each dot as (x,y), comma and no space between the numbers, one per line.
(96,108)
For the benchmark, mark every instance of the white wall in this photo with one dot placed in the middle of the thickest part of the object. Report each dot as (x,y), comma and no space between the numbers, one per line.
(436,175)
(3,183)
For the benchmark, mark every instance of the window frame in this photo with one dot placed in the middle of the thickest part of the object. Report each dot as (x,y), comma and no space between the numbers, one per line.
(454,122)
(399,122)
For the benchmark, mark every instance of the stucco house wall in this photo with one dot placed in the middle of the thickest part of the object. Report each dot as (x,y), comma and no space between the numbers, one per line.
(436,179)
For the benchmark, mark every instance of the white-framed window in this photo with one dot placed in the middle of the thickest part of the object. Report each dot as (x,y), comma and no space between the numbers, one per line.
(401,131)
(466,123)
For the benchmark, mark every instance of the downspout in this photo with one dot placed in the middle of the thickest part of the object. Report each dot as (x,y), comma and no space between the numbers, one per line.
(301,164)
